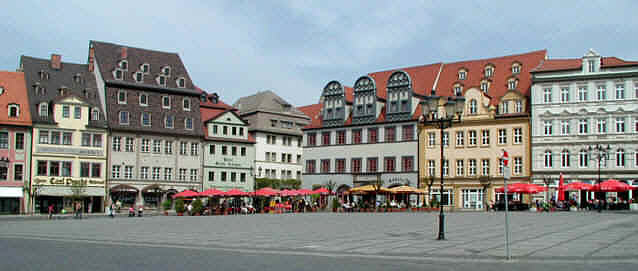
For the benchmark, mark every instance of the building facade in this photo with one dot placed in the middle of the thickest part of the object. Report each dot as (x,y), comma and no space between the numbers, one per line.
(15,144)
(368,133)
(228,148)
(275,126)
(495,118)
(69,142)
(580,103)
(154,119)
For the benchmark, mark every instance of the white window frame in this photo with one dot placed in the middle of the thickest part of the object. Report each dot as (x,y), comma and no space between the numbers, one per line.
(565,158)
(485,167)
(462,75)
(601,126)
(620,91)
(518,165)
(564,95)
(502,136)
(620,124)
(17,110)
(564,127)
(164,99)
(518,135)
(128,118)
(460,168)
(460,138)
(583,126)
(186,101)
(547,95)
(473,107)
(150,121)
(583,159)
(471,167)
(601,93)
(582,94)
(548,159)
(145,103)
(471,138)
(119,95)
(620,158)
(518,106)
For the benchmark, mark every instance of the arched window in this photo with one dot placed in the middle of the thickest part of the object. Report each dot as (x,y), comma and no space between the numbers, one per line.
(473,107)
(620,158)
(14,110)
(564,158)
(44,110)
(583,158)
(548,159)
(95,114)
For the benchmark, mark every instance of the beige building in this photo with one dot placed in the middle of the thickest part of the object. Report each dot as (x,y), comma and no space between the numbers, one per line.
(495,118)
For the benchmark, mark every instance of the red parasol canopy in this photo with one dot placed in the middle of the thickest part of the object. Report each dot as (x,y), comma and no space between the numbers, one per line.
(322,191)
(561,191)
(524,188)
(574,186)
(212,192)
(304,191)
(235,192)
(186,194)
(611,185)
(266,192)
(288,193)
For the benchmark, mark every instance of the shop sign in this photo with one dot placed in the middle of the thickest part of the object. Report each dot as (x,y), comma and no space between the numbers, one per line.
(68,181)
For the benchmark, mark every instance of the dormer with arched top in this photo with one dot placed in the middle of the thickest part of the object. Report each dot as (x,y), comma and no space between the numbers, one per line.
(334,104)
(365,100)
(399,102)
(489,70)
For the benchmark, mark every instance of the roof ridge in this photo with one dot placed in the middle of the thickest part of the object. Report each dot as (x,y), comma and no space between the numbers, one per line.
(409,67)
(498,57)
(133,47)
(49,60)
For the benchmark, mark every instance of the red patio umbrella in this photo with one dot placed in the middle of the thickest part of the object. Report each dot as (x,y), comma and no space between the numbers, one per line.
(235,192)
(288,193)
(574,186)
(322,191)
(611,185)
(186,194)
(524,188)
(212,192)
(561,191)
(266,192)
(304,191)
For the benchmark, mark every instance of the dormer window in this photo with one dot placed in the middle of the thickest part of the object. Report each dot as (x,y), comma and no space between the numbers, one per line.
(462,75)
(511,84)
(143,99)
(473,107)
(187,104)
(505,107)
(121,96)
(139,77)
(161,80)
(484,86)
(118,74)
(77,78)
(44,110)
(518,106)
(166,71)
(85,93)
(166,102)
(123,64)
(516,68)
(181,82)
(95,114)
(43,75)
(489,71)
(146,68)
(458,90)
(62,91)
(14,110)
(591,66)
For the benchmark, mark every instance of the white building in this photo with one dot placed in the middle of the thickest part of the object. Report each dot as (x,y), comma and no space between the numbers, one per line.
(583,102)
(276,127)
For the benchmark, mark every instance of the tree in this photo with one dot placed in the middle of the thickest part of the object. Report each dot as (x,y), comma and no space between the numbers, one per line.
(377,185)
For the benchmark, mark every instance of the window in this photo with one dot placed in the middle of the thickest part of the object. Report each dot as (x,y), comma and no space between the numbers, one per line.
(518,165)
(18,172)
(161,80)
(325,166)
(511,84)
(325,138)
(356,136)
(502,136)
(19,145)
(129,144)
(55,138)
(225,130)
(121,97)
(85,169)
(390,134)
(143,99)
(564,127)
(54,168)
(225,152)
(446,139)
(547,127)
(460,138)
(489,71)
(505,107)
(620,91)
(97,140)
(241,133)
(518,106)
(462,75)
(518,135)
(183,148)
(4,140)
(484,87)
(146,119)
(211,176)
(485,167)
(620,158)
(372,135)
(124,118)
(340,166)
(182,175)
(188,123)
(195,149)
(341,138)
(168,174)
(139,77)
(583,158)
(431,139)
(501,166)
(95,114)
(211,149)
(66,111)
(181,82)
(458,91)
(547,95)
(485,137)
(620,125)
(431,168)
(564,159)
(166,102)
(564,95)
(459,168)
(157,146)
(516,69)
(583,126)
(446,168)
(44,137)
(582,94)
(408,132)
(310,166)
(67,138)
(471,137)
(372,164)
(86,139)
(115,172)
(14,110)
(548,159)
(42,168)
(223,175)
(473,107)
(168,122)
(144,173)
(602,93)
(234,129)
(146,145)
(601,125)
(388,164)
(591,66)
(194,175)
(242,177)
(187,104)
(128,172)
(44,110)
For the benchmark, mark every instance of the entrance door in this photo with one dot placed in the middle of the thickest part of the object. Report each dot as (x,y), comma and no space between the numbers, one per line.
(472,199)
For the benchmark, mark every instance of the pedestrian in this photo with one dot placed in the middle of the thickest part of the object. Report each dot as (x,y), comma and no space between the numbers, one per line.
(112,210)
(190,209)
(50,211)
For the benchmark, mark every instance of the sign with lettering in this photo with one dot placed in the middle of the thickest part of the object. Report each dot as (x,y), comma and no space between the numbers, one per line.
(69,150)
(67,181)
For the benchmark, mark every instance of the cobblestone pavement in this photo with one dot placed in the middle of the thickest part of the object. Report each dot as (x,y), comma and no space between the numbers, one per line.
(562,237)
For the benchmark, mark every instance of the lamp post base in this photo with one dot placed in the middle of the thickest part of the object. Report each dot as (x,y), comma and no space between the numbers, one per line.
(441,226)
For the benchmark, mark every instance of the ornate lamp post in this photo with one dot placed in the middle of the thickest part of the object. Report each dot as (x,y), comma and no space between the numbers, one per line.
(453,110)
(599,153)
(486,183)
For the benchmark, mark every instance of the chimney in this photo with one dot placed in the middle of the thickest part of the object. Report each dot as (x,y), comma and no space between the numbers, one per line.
(123,53)
(56,61)
(91,59)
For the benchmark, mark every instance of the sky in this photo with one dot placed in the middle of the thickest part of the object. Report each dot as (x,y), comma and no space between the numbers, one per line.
(294,48)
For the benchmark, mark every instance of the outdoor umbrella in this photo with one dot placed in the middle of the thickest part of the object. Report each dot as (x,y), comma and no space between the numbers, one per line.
(266,191)
(521,188)
(322,191)
(404,189)
(611,185)
(288,193)
(304,191)
(561,191)
(368,188)
(186,194)
(212,192)
(235,192)
(574,186)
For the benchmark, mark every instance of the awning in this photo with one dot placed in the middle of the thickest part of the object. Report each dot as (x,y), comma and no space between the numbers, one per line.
(10,192)
(123,188)
(61,191)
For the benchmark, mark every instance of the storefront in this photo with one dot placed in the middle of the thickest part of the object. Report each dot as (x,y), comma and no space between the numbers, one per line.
(126,195)
(472,199)
(10,199)
(63,198)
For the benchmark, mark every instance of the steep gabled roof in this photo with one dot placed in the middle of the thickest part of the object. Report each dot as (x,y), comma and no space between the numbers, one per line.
(313,111)
(423,78)
(14,92)
(266,101)
(567,64)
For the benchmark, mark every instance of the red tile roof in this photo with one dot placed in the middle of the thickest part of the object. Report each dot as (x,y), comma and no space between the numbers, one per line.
(575,64)
(14,92)
(502,72)
(422,77)
(208,103)
(313,111)
(610,62)
(349,94)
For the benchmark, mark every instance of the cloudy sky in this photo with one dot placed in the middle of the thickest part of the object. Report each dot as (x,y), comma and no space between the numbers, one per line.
(294,48)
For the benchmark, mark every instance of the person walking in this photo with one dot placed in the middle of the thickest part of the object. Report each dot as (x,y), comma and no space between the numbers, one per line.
(50,211)
(190,209)
(112,210)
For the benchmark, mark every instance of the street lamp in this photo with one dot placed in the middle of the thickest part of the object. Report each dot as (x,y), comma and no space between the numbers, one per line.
(453,110)
(485,182)
(599,153)
(547,180)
